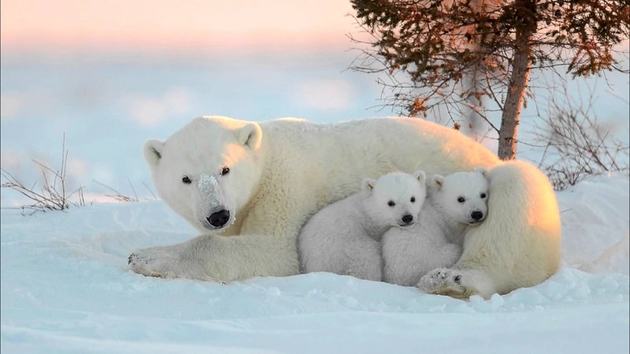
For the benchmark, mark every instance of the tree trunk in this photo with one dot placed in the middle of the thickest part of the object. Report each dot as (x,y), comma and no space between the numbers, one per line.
(519,79)
(474,125)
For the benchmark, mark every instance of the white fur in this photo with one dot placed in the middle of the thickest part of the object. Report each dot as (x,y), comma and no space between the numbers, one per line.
(344,237)
(410,253)
(283,171)
(518,245)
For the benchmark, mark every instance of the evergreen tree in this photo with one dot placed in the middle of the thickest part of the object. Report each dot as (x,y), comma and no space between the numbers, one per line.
(437,43)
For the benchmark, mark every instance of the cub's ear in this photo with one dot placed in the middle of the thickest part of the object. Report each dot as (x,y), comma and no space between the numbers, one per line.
(420,176)
(153,152)
(482,170)
(368,184)
(250,135)
(438,181)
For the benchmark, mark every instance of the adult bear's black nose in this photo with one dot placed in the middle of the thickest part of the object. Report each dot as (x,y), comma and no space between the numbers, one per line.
(476,215)
(407,218)
(219,218)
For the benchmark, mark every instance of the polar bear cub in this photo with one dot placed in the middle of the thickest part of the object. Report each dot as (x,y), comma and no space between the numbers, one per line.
(344,237)
(453,204)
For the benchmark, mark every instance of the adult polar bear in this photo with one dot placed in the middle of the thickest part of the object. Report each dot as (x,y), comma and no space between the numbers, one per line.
(249,187)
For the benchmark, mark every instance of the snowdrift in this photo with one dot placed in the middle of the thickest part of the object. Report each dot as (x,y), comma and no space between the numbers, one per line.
(66,289)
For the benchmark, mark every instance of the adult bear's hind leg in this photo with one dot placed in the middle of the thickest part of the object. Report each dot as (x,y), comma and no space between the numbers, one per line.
(518,245)
(458,283)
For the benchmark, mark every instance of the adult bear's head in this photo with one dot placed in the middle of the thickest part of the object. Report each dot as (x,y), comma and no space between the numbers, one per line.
(208,170)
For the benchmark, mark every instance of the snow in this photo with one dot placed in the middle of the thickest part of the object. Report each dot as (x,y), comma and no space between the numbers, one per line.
(595,224)
(66,289)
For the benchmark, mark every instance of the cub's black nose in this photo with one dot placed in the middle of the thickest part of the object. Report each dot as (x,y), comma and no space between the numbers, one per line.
(407,219)
(219,218)
(476,215)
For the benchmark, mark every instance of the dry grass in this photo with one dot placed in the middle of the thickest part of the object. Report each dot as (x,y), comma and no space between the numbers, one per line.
(51,193)
(577,146)
(118,196)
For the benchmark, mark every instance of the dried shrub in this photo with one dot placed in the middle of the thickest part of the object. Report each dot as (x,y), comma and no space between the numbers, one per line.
(577,146)
(51,193)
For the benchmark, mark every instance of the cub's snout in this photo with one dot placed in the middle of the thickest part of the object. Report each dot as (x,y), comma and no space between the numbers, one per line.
(477,216)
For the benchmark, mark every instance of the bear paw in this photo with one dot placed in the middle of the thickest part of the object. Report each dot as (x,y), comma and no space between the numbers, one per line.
(443,281)
(152,263)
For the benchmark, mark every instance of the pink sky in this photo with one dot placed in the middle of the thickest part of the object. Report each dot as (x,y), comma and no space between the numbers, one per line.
(179,24)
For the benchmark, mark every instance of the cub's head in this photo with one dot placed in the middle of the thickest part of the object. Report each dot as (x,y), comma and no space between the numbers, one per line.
(208,170)
(395,199)
(462,196)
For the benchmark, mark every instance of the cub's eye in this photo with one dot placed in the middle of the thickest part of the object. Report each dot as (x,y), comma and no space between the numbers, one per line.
(186,180)
(483,195)
(461,199)
(391,203)
(225,171)
(413,199)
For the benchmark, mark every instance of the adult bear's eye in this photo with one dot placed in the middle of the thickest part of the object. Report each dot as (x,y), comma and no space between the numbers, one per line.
(413,199)
(461,199)
(483,195)
(225,171)
(391,203)
(186,180)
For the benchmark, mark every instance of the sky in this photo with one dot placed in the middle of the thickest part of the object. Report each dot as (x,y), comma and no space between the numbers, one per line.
(182,25)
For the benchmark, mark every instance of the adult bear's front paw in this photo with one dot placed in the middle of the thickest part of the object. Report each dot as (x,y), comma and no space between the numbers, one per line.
(443,281)
(153,263)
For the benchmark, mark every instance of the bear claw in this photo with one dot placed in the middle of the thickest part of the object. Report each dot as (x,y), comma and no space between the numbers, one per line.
(440,281)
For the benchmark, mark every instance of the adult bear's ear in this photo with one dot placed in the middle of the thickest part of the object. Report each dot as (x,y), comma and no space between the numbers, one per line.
(250,135)
(368,184)
(153,152)
(438,181)
(482,170)
(420,176)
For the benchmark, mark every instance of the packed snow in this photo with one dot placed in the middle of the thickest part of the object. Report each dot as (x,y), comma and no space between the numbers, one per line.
(66,288)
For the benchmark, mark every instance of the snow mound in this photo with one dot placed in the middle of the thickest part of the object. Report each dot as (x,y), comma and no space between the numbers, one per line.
(595,218)
(66,289)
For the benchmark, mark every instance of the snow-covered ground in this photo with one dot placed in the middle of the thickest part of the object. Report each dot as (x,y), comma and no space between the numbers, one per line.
(66,289)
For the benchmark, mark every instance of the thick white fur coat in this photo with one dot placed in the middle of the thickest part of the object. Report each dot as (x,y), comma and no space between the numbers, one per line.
(286,170)
(410,253)
(518,245)
(342,239)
